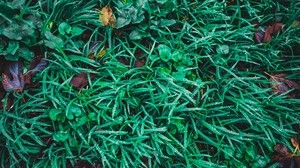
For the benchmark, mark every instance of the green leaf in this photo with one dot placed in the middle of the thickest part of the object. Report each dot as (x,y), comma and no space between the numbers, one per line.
(53,41)
(73,142)
(179,75)
(223,49)
(56,115)
(166,22)
(76,31)
(138,34)
(64,28)
(25,53)
(81,121)
(177,56)
(251,151)
(16,4)
(122,21)
(164,52)
(161,1)
(229,152)
(12,48)
(165,70)
(15,31)
(11,57)
(73,111)
(61,136)
(92,116)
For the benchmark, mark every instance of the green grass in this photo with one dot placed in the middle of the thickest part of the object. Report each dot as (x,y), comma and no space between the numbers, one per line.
(213,106)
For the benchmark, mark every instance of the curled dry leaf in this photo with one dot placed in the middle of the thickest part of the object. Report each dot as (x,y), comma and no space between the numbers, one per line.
(37,64)
(295,143)
(106,17)
(265,35)
(94,50)
(281,150)
(281,84)
(14,79)
(296,23)
(80,80)
(284,157)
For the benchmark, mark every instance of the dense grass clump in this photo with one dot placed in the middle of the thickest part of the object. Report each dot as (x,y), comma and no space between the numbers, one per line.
(150,83)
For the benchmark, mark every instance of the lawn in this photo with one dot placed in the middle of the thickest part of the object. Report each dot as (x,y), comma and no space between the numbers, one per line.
(149,83)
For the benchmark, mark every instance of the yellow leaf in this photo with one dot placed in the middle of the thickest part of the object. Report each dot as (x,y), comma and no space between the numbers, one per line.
(101,53)
(106,16)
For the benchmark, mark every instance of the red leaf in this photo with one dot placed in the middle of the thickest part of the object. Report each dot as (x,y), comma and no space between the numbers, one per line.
(16,82)
(80,80)
(36,65)
(267,34)
(281,150)
(281,84)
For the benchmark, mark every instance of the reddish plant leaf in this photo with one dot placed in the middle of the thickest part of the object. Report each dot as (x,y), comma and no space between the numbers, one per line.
(80,80)
(281,150)
(295,143)
(13,81)
(259,36)
(265,35)
(281,84)
(40,66)
(284,157)
(36,65)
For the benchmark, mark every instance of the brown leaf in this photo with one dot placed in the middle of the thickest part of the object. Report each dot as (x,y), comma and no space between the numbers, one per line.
(295,143)
(281,84)
(271,30)
(284,157)
(265,35)
(37,64)
(296,23)
(281,150)
(106,17)
(80,80)
(12,78)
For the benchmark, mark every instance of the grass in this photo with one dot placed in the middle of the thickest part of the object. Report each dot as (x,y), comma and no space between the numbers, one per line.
(212,106)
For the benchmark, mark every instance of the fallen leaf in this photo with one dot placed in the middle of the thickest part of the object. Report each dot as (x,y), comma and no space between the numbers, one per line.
(284,157)
(36,65)
(281,150)
(296,23)
(281,85)
(295,143)
(94,50)
(80,80)
(14,80)
(106,17)
(265,35)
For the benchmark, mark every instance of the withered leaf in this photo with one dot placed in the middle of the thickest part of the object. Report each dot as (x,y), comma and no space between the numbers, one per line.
(281,150)
(265,35)
(94,50)
(280,84)
(295,143)
(37,64)
(106,17)
(284,157)
(40,66)
(14,80)
(80,80)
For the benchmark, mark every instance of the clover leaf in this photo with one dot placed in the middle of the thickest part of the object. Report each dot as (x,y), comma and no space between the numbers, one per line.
(73,111)
(61,136)
(164,52)
(56,115)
